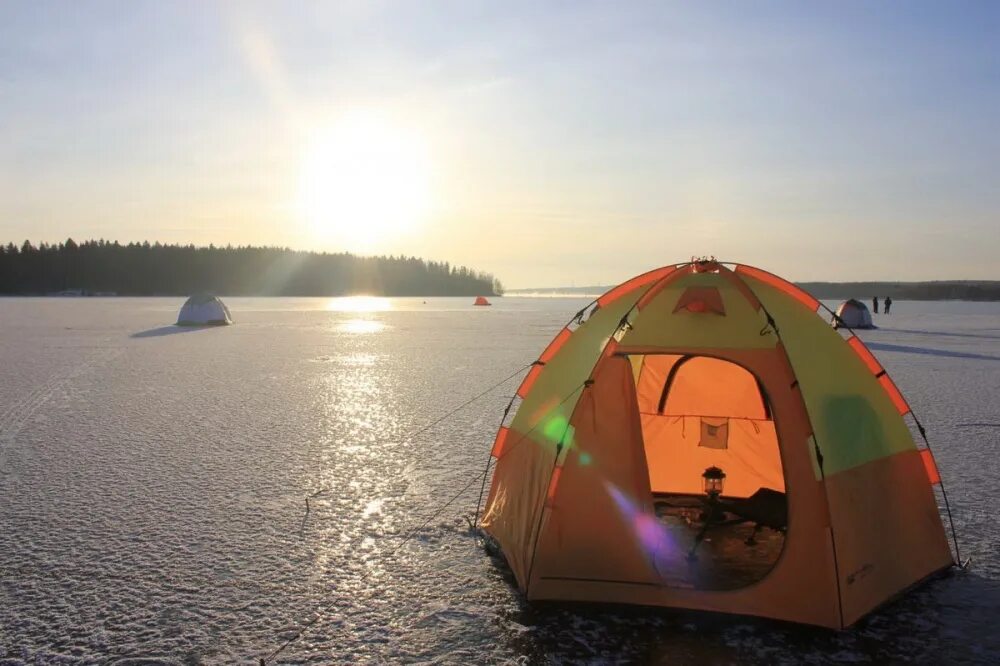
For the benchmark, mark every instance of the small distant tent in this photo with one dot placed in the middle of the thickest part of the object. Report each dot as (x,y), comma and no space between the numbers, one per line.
(481,300)
(204,310)
(853,314)
(701,438)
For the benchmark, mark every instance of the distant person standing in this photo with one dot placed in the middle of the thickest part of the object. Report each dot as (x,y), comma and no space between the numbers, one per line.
(875,305)
(888,303)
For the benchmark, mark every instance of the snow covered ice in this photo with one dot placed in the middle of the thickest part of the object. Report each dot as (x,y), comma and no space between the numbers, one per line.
(152,485)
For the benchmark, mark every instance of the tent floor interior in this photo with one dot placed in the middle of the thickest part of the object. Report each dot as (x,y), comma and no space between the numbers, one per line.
(723,560)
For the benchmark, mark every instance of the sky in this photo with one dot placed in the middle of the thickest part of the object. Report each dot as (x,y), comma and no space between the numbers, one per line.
(552,144)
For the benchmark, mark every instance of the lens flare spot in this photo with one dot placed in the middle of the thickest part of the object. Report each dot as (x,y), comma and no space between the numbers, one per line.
(649,532)
(555,428)
(585,459)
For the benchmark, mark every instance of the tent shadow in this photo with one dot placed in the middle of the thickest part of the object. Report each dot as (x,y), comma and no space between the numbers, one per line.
(169,330)
(982,336)
(882,346)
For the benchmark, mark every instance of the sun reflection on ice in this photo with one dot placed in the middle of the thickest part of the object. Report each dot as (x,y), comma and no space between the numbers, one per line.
(361,305)
(374,507)
(361,326)
(356,455)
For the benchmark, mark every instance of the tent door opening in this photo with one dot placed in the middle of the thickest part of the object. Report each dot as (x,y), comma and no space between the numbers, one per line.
(715,469)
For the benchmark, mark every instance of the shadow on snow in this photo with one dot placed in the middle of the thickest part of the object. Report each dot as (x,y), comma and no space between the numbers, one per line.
(882,346)
(981,336)
(169,330)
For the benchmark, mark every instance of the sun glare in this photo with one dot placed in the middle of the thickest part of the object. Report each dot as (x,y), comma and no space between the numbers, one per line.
(364,181)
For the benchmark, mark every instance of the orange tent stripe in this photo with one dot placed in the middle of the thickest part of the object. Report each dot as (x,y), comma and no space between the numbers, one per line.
(931,466)
(769,278)
(553,484)
(894,394)
(555,345)
(498,443)
(529,381)
(865,354)
(633,284)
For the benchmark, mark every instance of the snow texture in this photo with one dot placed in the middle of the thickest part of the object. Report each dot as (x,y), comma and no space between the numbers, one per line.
(153,478)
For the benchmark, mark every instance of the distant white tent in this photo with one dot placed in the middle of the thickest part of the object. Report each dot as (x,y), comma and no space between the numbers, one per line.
(204,310)
(853,314)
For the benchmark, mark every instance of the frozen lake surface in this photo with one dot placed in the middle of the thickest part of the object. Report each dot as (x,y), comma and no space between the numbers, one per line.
(152,483)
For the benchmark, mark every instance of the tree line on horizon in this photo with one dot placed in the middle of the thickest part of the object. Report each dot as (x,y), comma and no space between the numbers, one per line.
(937,290)
(144,269)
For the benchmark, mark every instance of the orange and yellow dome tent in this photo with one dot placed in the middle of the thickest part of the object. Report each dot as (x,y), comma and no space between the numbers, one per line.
(696,372)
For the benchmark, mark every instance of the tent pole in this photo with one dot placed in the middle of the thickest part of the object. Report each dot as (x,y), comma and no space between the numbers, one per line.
(944,493)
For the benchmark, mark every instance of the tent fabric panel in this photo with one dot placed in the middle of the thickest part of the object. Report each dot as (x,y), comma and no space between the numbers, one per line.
(701,299)
(529,380)
(854,420)
(637,362)
(567,369)
(676,460)
(522,473)
(655,368)
(555,345)
(706,386)
(887,529)
(766,600)
(876,368)
(897,398)
(861,350)
(520,480)
(781,284)
(657,287)
(635,283)
(593,527)
(656,325)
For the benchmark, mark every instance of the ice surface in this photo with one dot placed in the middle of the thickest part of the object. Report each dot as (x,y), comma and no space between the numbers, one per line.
(152,485)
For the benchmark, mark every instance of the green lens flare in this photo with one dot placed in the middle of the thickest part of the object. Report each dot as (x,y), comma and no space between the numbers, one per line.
(555,428)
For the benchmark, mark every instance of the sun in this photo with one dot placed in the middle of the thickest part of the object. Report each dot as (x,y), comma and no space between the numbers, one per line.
(363,183)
